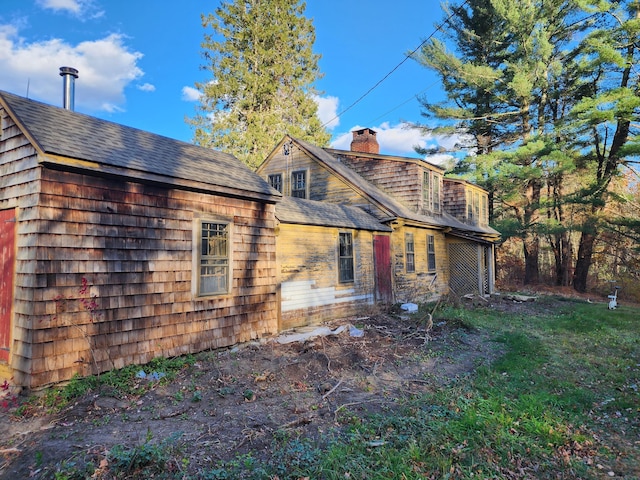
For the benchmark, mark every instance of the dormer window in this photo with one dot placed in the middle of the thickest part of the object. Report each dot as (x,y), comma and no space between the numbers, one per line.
(431,191)
(435,196)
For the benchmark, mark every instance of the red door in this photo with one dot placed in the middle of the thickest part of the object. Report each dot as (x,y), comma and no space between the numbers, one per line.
(7,261)
(382,266)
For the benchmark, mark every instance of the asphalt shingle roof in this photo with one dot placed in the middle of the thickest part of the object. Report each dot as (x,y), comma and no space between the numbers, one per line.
(311,212)
(136,152)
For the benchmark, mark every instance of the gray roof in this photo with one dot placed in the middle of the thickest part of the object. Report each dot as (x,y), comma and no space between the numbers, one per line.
(117,149)
(311,212)
(384,200)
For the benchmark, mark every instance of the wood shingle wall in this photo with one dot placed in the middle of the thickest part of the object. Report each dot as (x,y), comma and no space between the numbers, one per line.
(402,180)
(104,270)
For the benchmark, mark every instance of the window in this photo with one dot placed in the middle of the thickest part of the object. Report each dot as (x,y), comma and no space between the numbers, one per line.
(469,206)
(431,253)
(436,192)
(214,258)
(299,184)
(476,206)
(345,258)
(410,262)
(426,190)
(485,212)
(276,181)
(431,191)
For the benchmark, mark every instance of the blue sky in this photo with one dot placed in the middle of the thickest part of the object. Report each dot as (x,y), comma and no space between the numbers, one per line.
(138,61)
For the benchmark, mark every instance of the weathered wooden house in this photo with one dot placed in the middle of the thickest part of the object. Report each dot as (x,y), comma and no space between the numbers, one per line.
(119,246)
(440,240)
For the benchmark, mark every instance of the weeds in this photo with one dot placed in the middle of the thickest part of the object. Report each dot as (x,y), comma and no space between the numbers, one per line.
(120,383)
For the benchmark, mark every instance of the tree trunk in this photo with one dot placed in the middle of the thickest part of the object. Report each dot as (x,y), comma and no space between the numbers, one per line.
(531,246)
(585,252)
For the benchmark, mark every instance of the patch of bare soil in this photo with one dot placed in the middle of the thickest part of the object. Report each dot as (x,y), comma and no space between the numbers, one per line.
(233,401)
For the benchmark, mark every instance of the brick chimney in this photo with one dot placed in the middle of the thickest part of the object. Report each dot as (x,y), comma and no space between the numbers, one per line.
(365,141)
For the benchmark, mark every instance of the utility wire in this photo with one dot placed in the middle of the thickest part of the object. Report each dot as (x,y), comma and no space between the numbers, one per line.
(407,57)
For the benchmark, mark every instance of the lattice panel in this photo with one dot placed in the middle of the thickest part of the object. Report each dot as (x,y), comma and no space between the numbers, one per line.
(463,261)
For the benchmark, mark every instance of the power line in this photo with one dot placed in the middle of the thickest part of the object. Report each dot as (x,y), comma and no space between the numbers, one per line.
(407,57)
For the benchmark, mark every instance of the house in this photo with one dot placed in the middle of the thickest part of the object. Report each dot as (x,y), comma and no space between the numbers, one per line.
(119,246)
(439,240)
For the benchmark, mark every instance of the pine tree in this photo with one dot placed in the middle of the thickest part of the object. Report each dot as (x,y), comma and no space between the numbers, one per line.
(605,122)
(500,89)
(262,74)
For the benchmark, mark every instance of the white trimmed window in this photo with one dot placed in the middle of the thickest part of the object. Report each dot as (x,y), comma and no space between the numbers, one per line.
(213,258)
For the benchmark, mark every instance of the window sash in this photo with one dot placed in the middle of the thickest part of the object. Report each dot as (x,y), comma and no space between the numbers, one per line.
(409,253)
(214,258)
(345,258)
(426,190)
(436,192)
(275,181)
(431,253)
(485,211)
(299,184)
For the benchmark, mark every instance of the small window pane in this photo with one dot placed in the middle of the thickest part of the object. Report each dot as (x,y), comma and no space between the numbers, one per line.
(436,193)
(276,181)
(426,191)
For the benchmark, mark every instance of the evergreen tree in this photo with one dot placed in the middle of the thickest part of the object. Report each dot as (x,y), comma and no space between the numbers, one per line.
(262,74)
(500,84)
(605,122)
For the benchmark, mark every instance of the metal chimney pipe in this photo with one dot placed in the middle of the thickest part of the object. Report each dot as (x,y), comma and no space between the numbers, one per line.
(68,74)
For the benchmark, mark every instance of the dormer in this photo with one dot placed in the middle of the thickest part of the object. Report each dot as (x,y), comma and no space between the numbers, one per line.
(466,201)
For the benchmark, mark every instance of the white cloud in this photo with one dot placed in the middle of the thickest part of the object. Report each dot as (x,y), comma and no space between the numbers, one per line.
(78,8)
(106,67)
(400,140)
(146,87)
(328,111)
(73,6)
(190,94)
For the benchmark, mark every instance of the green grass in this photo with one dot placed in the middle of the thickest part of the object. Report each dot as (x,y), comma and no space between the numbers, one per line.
(120,382)
(562,402)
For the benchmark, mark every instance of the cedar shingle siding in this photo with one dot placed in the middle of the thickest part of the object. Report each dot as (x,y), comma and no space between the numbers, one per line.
(105,219)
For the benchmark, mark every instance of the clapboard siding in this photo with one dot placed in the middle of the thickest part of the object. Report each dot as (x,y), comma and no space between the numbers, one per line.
(422,284)
(308,274)
(322,185)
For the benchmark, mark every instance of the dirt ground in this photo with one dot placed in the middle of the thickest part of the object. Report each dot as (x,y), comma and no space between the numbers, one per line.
(233,401)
